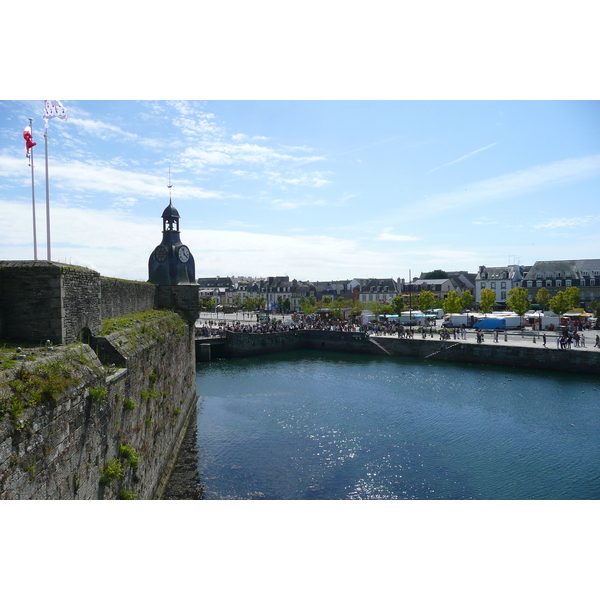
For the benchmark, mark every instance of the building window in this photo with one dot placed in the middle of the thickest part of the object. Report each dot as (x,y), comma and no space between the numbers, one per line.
(493,285)
(558,283)
(568,283)
(585,273)
(502,295)
(539,275)
(582,282)
(558,274)
(595,273)
(482,285)
(592,282)
(548,283)
(530,284)
(503,285)
(538,284)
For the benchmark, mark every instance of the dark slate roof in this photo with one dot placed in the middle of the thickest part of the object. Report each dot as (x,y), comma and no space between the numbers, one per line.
(170,212)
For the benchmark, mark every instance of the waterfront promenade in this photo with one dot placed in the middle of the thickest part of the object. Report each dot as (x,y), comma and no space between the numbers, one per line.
(516,338)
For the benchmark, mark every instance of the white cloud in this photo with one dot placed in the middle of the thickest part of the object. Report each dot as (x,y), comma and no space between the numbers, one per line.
(102,130)
(512,184)
(79,176)
(566,222)
(462,157)
(386,236)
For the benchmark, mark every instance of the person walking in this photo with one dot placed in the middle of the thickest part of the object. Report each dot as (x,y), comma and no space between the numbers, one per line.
(544,338)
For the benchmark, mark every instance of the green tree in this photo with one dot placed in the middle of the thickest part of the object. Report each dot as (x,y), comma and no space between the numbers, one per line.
(210,304)
(237,302)
(452,303)
(575,295)
(561,303)
(378,308)
(542,297)
(338,305)
(280,304)
(436,274)
(467,300)
(308,304)
(517,300)
(398,304)
(487,300)
(426,300)
(595,308)
(356,308)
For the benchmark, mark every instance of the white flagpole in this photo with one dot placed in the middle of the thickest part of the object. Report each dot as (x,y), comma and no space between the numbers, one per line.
(47,196)
(33,194)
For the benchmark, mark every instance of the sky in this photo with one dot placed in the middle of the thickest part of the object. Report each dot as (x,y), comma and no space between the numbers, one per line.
(312,189)
(325,142)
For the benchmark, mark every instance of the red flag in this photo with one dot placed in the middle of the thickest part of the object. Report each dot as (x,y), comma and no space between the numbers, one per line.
(29,143)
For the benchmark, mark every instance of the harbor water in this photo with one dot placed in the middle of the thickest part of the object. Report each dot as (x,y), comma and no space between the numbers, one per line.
(307,425)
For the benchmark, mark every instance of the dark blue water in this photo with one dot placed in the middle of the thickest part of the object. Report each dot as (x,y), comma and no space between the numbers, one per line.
(338,426)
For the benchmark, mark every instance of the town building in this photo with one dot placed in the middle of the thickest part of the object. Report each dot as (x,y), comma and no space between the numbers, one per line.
(500,280)
(557,275)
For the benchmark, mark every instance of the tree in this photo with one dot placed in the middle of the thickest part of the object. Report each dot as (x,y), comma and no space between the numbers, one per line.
(357,308)
(467,300)
(595,308)
(338,305)
(398,304)
(378,308)
(487,300)
(575,295)
(542,297)
(308,304)
(436,274)
(561,303)
(452,303)
(517,300)
(426,300)
(237,302)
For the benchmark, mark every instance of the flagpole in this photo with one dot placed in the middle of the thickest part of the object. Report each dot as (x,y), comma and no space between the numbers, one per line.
(33,194)
(47,195)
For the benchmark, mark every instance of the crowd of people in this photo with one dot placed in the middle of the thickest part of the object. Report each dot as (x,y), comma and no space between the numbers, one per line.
(218,328)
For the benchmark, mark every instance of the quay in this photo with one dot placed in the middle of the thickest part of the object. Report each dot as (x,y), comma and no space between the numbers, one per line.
(521,349)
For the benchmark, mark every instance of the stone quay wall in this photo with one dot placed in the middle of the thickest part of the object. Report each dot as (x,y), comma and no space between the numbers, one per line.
(247,344)
(96,431)
(45,300)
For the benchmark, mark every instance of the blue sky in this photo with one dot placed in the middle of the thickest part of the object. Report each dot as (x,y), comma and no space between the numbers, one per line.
(311,189)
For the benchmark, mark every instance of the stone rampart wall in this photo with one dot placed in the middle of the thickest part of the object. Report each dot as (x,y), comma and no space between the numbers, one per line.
(121,297)
(44,300)
(31,301)
(60,447)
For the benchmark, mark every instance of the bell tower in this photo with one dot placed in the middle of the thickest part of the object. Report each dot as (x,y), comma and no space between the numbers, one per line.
(171,263)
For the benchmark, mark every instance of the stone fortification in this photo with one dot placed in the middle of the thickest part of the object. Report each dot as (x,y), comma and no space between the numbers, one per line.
(74,428)
(44,300)
(122,297)
(248,344)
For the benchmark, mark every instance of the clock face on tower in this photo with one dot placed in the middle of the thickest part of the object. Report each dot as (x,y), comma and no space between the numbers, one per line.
(183,253)
(160,254)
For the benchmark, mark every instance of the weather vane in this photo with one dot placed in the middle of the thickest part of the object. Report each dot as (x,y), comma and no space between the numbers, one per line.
(170,185)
